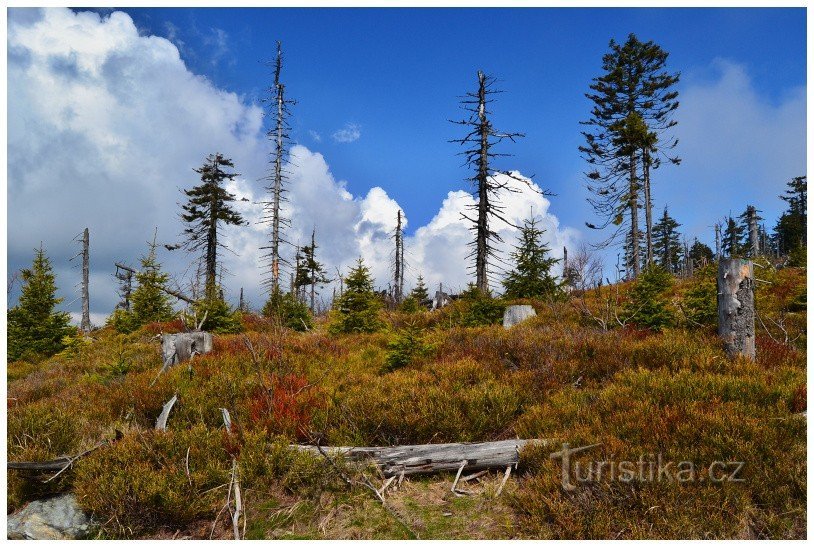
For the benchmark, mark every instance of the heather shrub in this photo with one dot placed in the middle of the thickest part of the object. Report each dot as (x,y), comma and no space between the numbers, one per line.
(461,401)
(38,432)
(685,416)
(145,480)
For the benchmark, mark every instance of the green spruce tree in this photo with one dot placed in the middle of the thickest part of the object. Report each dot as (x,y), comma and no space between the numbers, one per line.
(420,292)
(289,310)
(733,238)
(648,306)
(531,276)
(149,301)
(357,309)
(35,328)
(667,242)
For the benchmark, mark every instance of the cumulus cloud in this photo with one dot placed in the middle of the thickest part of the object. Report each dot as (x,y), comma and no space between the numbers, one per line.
(350,133)
(737,146)
(105,128)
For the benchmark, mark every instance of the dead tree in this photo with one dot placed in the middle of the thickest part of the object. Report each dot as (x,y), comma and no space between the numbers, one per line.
(751,223)
(177,294)
(478,154)
(717,241)
(84,286)
(278,176)
(433,458)
(736,306)
(398,268)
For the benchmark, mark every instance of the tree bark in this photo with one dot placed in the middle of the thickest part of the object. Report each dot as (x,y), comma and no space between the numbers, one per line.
(736,307)
(85,325)
(433,458)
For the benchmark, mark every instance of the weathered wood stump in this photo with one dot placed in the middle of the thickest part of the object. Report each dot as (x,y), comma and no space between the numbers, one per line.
(433,458)
(736,306)
(180,347)
(517,314)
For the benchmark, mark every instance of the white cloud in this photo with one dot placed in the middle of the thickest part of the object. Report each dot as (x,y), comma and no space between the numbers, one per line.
(738,147)
(350,133)
(316,137)
(105,127)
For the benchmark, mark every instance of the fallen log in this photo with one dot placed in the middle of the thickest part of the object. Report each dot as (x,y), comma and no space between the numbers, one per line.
(433,458)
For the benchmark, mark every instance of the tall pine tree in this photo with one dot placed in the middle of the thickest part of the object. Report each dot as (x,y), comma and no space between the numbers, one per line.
(634,102)
(207,209)
(35,327)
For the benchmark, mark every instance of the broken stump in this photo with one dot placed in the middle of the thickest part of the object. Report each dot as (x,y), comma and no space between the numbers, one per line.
(179,347)
(517,314)
(736,306)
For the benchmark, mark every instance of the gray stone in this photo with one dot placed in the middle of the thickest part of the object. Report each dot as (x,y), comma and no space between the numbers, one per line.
(517,314)
(59,517)
(177,348)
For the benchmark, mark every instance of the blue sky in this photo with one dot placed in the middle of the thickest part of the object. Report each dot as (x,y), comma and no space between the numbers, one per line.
(396,73)
(110,111)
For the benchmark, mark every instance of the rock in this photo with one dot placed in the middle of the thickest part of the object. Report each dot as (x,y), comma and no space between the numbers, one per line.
(517,314)
(53,518)
(177,348)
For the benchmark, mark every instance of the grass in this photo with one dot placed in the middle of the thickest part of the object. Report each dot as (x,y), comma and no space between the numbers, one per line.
(559,376)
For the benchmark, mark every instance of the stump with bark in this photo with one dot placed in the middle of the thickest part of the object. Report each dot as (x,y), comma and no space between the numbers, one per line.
(736,306)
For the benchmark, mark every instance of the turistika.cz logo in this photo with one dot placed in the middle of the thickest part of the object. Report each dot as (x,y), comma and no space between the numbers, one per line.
(649,468)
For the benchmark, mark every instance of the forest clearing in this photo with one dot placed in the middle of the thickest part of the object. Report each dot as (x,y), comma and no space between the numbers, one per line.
(287,358)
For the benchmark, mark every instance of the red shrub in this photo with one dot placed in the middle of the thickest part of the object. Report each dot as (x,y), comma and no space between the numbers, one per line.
(773,354)
(798,401)
(286,406)
(170,327)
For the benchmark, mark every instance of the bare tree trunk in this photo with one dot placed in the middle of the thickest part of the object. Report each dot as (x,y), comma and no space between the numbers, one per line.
(212,238)
(278,173)
(85,325)
(633,205)
(648,206)
(399,267)
(241,303)
(481,250)
(313,265)
(717,241)
(433,458)
(736,306)
(754,243)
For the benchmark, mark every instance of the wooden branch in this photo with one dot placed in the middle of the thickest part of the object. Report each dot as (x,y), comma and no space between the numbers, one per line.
(161,423)
(60,464)
(433,458)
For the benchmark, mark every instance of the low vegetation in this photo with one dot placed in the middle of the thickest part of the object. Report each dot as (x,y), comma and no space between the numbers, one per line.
(654,384)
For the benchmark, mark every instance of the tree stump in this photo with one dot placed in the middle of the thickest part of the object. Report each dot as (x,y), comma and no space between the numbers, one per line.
(736,306)
(517,314)
(180,347)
